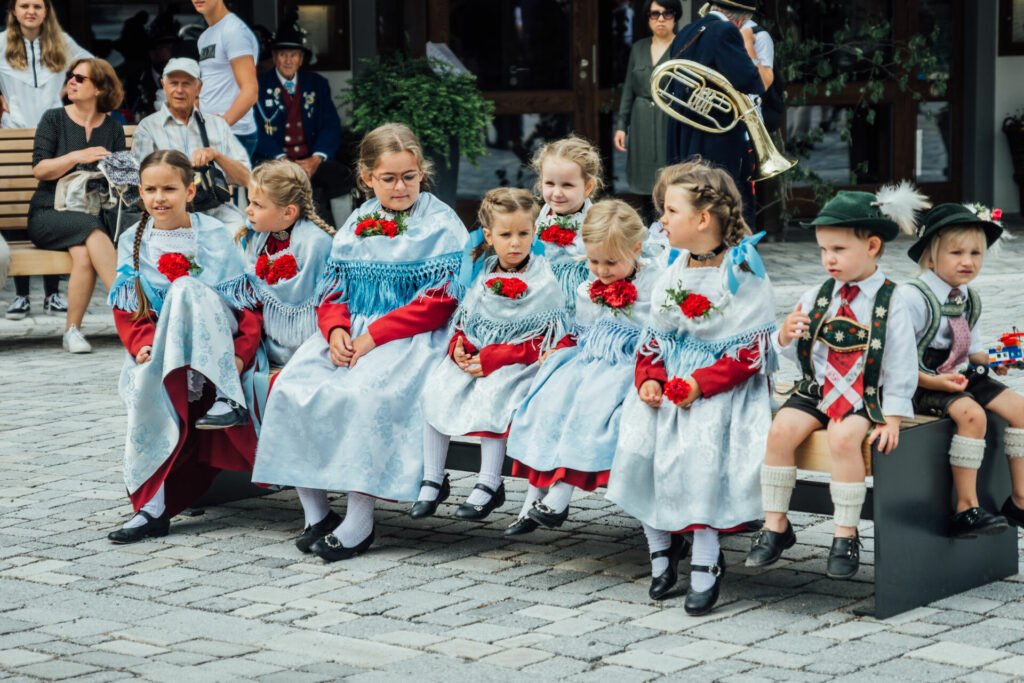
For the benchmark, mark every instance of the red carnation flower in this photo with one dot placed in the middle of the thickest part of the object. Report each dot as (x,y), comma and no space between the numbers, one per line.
(695,305)
(173,266)
(676,390)
(511,287)
(997,214)
(262,266)
(558,235)
(389,228)
(285,268)
(620,293)
(365,224)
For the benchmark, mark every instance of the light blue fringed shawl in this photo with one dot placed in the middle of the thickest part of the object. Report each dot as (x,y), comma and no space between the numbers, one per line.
(568,262)
(602,333)
(489,318)
(223,268)
(289,306)
(746,315)
(378,274)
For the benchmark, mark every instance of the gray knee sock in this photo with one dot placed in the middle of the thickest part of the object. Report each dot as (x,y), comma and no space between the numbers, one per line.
(848,498)
(965,452)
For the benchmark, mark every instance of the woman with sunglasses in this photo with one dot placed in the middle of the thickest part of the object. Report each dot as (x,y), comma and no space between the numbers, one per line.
(645,124)
(75,138)
(36,53)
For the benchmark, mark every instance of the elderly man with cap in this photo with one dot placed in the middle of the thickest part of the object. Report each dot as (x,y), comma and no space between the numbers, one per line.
(296,118)
(178,125)
(716,42)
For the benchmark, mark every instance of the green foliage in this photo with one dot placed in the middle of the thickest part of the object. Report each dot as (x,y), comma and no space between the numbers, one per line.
(425,94)
(865,54)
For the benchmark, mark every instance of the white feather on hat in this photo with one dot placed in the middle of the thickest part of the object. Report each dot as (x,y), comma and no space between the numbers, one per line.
(901,204)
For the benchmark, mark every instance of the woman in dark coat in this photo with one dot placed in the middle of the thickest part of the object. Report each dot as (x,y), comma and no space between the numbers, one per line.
(73,138)
(645,124)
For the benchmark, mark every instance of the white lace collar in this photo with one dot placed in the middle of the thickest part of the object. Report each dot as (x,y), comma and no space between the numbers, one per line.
(183,241)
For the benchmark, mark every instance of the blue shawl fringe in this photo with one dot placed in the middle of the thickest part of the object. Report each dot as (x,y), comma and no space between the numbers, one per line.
(682,354)
(374,288)
(552,325)
(237,292)
(609,340)
(570,275)
(287,324)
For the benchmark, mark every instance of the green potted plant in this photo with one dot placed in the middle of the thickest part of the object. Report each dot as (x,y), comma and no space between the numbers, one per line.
(443,107)
(1013,126)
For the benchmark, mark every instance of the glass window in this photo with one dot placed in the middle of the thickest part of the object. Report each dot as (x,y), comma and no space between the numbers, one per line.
(815,134)
(934,140)
(512,140)
(937,16)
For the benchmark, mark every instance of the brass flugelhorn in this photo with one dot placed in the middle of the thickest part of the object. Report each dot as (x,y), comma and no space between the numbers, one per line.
(711,93)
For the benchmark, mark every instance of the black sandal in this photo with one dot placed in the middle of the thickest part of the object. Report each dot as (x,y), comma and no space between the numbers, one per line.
(427,508)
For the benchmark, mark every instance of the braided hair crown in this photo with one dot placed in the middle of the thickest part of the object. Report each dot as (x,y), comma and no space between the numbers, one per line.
(709,189)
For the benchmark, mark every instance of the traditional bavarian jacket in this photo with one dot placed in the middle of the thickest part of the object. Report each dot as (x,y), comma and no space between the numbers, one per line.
(929,314)
(888,339)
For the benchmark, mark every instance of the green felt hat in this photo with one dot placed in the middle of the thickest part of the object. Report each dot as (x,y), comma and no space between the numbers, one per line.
(850,209)
(948,215)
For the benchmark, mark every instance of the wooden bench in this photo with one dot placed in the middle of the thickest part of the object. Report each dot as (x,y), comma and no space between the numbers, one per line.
(17,184)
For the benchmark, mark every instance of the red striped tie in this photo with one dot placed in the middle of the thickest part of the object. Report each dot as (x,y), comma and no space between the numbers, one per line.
(841,362)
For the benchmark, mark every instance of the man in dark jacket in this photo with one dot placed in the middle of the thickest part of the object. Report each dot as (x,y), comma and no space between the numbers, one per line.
(296,119)
(716,42)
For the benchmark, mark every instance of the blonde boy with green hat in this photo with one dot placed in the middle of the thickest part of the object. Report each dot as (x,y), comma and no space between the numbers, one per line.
(944,311)
(852,339)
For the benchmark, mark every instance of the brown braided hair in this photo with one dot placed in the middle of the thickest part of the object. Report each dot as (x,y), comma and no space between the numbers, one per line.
(710,189)
(285,183)
(180,163)
(503,201)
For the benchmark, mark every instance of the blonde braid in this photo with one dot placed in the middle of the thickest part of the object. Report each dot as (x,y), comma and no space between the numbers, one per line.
(142,309)
(309,210)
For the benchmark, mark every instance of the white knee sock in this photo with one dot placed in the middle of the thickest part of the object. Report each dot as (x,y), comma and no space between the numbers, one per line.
(314,504)
(154,506)
(492,455)
(705,552)
(220,406)
(777,487)
(965,452)
(657,540)
(533,493)
(1013,441)
(435,452)
(358,522)
(848,498)
(559,496)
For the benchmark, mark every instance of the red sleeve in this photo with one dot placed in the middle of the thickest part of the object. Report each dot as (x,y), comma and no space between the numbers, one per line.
(426,313)
(135,334)
(565,342)
(250,332)
(727,372)
(331,314)
(648,368)
(499,355)
(466,345)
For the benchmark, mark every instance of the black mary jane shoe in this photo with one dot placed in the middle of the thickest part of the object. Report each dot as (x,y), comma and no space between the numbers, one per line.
(330,549)
(427,508)
(543,514)
(522,525)
(843,557)
(1014,515)
(154,527)
(314,532)
(702,602)
(766,546)
(238,415)
(478,512)
(976,521)
(663,583)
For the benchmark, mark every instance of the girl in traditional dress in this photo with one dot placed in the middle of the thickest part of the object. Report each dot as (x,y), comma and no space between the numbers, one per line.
(287,249)
(345,414)
(564,434)
(692,437)
(568,174)
(513,313)
(182,306)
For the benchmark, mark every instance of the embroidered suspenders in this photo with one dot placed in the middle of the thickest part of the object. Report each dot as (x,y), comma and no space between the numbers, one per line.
(844,334)
(937,310)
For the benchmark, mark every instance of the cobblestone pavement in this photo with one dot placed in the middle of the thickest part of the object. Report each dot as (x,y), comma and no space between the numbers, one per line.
(226,596)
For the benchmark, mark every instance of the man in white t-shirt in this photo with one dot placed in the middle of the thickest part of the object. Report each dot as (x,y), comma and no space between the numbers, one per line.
(228,51)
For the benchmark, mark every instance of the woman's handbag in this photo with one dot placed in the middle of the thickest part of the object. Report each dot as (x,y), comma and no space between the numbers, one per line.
(211,185)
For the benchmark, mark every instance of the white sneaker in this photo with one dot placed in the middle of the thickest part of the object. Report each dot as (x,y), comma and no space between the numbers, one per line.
(74,341)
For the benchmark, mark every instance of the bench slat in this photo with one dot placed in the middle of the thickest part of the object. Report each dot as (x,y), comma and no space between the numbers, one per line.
(8,158)
(27,260)
(14,209)
(19,183)
(11,196)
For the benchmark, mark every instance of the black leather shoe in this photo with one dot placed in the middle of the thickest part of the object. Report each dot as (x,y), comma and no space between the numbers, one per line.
(701,602)
(315,532)
(427,508)
(237,416)
(974,522)
(330,549)
(844,557)
(543,514)
(766,546)
(664,582)
(154,527)
(477,512)
(1014,515)
(522,525)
